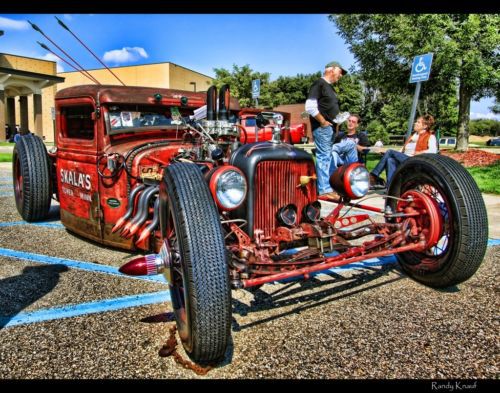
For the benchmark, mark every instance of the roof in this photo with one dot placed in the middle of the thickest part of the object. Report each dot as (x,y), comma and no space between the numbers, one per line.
(136,95)
(31,75)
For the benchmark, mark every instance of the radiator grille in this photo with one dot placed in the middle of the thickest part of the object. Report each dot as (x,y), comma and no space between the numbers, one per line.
(276,186)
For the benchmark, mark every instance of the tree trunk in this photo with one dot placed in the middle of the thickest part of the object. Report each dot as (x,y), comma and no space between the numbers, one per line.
(464,98)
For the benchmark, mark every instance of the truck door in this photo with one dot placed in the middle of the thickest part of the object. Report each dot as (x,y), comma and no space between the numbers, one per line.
(77,178)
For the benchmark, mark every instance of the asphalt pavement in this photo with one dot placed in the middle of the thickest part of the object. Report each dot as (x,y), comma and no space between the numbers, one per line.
(67,313)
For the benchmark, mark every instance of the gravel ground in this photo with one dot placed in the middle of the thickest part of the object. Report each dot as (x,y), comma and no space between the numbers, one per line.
(357,324)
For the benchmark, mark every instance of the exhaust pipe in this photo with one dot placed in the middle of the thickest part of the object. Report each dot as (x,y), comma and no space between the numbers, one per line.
(131,204)
(141,204)
(224,97)
(141,218)
(146,232)
(212,103)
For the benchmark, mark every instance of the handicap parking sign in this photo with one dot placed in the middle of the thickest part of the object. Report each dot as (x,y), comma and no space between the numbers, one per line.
(421,68)
(256,88)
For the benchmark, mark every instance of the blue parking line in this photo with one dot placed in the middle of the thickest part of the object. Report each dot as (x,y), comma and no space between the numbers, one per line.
(56,224)
(493,242)
(6,194)
(88,266)
(6,179)
(75,310)
(134,300)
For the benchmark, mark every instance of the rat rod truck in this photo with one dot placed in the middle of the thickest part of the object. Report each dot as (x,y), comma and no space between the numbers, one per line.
(134,168)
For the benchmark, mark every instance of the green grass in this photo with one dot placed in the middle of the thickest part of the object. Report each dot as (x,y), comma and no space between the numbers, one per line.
(5,157)
(6,144)
(486,177)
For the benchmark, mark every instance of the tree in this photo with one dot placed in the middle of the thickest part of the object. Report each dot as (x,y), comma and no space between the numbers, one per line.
(240,83)
(286,89)
(293,89)
(466,60)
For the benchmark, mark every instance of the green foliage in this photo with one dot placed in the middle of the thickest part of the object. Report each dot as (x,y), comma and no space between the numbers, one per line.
(292,89)
(376,131)
(284,90)
(240,83)
(484,127)
(350,94)
(466,61)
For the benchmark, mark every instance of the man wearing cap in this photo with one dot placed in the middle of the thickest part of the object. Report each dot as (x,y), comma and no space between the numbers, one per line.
(322,105)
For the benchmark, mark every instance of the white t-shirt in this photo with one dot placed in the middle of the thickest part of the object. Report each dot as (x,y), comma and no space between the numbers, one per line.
(409,150)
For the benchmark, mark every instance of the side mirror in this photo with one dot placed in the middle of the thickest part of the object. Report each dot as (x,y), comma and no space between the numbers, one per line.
(261,121)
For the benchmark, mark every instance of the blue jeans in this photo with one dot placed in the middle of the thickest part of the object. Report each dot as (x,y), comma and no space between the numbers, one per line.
(323,142)
(390,162)
(344,152)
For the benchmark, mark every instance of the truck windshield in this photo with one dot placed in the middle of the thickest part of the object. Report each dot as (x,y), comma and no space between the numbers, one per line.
(134,119)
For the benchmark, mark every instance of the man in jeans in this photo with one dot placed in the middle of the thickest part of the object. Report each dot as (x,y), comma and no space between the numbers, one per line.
(348,146)
(322,105)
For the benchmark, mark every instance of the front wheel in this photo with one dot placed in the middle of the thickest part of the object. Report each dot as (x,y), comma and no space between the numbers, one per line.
(463,236)
(198,276)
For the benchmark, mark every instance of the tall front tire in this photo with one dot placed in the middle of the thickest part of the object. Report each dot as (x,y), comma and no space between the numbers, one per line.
(31,176)
(464,237)
(199,275)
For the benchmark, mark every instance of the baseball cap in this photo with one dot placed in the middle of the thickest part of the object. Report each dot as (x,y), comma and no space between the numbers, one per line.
(336,64)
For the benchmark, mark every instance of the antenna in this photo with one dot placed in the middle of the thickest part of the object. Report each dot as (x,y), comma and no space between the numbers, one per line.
(68,63)
(86,47)
(62,50)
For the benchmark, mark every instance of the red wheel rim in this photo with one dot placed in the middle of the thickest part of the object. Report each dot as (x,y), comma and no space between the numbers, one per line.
(429,219)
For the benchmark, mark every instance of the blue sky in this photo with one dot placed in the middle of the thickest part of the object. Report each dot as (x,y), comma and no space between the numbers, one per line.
(282,44)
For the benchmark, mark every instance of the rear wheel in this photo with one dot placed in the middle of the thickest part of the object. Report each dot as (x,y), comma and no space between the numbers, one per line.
(198,276)
(31,175)
(463,236)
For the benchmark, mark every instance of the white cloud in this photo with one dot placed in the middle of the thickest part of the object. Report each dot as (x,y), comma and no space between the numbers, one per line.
(125,55)
(11,24)
(51,57)
(68,16)
(489,115)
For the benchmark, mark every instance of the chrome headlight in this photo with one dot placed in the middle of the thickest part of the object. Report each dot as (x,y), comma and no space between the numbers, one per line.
(352,181)
(359,181)
(229,187)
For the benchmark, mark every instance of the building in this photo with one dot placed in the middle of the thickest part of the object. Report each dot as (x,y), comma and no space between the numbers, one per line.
(43,89)
(165,75)
(27,90)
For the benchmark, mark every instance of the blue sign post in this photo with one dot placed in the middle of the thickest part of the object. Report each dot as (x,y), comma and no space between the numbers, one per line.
(256,95)
(420,71)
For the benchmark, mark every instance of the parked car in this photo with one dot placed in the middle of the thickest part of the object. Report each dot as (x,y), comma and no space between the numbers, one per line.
(259,124)
(213,214)
(447,142)
(493,142)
